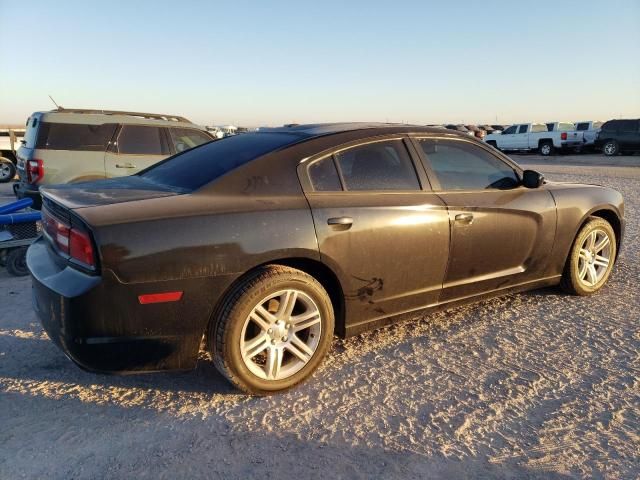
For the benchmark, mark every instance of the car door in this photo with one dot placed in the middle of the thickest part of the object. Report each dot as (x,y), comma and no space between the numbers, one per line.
(135,148)
(501,232)
(629,134)
(521,138)
(380,226)
(507,138)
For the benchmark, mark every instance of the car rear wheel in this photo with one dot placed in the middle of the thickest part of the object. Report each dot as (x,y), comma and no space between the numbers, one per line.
(611,148)
(272,330)
(17,262)
(545,148)
(7,170)
(591,258)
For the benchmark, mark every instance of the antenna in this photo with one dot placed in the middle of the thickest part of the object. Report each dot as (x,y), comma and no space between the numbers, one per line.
(54,102)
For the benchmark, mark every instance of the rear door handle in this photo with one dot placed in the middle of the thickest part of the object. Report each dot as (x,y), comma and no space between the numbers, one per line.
(125,165)
(340,221)
(464,218)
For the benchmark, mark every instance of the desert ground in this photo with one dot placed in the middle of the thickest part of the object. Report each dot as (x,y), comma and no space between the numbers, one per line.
(535,385)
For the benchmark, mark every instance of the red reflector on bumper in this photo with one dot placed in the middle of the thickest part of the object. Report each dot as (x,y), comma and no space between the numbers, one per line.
(159,297)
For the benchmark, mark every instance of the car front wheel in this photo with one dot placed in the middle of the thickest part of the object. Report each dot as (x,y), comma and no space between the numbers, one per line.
(591,258)
(611,148)
(272,330)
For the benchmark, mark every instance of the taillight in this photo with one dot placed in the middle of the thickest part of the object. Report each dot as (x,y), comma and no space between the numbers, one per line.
(80,247)
(563,135)
(35,171)
(68,240)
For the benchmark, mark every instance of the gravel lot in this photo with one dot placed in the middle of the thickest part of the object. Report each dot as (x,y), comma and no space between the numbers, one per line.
(526,386)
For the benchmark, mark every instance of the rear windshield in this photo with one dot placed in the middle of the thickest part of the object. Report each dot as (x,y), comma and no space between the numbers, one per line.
(71,136)
(194,168)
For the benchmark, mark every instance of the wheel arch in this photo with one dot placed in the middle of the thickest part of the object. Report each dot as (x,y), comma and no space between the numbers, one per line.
(317,269)
(610,216)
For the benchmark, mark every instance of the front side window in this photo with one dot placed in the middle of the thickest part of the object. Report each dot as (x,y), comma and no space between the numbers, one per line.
(378,166)
(186,138)
(324,176)
(464,166)
(510,130)
(72,136)
(140,140)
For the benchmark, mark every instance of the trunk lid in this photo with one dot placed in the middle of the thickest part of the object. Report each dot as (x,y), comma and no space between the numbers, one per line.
(106,192)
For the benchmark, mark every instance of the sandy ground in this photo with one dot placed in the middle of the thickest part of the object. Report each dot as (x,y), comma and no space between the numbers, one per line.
(537,385)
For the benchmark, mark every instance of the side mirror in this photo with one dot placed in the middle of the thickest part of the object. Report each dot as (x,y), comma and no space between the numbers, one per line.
(532,179)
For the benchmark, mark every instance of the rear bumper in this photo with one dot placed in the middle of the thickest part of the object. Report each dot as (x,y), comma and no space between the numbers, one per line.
(24,190)
(99,324)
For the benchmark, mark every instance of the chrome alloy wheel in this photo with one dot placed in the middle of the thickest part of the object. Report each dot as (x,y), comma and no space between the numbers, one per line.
(6,172)
(594,258)
(280,335)
(545,149)
(610,148)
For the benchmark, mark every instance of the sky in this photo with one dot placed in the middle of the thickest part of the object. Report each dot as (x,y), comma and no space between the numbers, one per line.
(269,63)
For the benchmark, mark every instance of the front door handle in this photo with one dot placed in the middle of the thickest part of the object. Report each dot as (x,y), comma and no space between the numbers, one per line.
(464,218)
(125,165)
(340,221)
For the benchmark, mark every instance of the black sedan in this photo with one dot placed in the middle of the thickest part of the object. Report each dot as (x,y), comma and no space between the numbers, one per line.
(267,244)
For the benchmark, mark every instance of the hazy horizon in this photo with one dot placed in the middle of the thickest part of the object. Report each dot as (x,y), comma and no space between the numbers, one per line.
(259,64)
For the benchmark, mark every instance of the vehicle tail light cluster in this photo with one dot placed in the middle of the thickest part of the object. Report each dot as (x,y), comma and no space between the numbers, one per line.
(69,240)
(563,135)
(35,171)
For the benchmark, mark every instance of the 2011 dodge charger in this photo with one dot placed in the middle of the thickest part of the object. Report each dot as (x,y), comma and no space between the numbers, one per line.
(269,243)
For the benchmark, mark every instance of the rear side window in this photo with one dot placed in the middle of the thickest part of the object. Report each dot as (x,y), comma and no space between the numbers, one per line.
(186,138)
(582,126)
(194,168)
(324,176)
(141,140)
(464,166)
(71,136)
(628,126)
(378,166)
(523,129)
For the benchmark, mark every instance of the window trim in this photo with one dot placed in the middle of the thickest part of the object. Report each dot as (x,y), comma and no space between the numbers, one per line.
(433,178)
(424,183)
(169,138)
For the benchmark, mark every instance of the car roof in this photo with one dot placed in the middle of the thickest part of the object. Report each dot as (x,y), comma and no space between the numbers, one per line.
(321,129)
(98,117)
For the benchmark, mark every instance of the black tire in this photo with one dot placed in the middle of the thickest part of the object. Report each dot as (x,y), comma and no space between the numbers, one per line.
(571,282)
(493,144)
(545,148)
(17,262)
(7,170)
(226,334)
(611,148)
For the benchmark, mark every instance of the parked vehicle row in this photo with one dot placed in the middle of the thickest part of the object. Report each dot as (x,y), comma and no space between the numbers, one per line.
(74,145)
(612,137)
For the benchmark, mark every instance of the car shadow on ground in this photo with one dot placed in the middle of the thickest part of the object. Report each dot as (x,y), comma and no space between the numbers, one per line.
(94,441)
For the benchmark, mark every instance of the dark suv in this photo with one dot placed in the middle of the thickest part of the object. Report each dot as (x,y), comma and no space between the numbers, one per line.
(619,136)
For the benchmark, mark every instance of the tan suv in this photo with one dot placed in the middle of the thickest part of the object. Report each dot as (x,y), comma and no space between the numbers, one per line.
(75,145)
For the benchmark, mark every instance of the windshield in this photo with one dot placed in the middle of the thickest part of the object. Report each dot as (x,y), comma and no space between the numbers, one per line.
(194,168)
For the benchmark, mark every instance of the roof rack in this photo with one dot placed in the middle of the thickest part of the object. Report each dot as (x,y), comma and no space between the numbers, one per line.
(155,116)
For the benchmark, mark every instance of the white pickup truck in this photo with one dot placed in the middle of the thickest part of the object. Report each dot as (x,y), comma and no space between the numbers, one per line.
(534,136)
(589,131)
